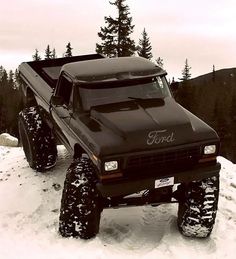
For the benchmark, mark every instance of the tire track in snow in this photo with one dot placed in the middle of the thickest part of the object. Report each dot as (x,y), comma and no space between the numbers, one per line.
(139,229)
(155,223)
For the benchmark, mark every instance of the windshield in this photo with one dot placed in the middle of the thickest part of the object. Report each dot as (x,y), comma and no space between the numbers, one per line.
(121,91)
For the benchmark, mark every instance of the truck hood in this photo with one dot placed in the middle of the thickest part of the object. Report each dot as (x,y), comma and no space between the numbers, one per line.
(138,125)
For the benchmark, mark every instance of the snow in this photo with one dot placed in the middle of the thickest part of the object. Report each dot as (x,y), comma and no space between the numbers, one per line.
(8,140)
(29,210)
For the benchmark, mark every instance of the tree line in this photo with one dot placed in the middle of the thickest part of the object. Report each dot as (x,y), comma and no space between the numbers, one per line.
(115,38)
(10,101)
(51,53)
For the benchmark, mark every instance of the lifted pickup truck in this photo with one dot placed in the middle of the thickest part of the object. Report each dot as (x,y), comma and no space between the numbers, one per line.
(131,142)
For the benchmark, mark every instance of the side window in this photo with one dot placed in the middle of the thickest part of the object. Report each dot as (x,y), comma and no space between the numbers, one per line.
(65,88)
(77,100)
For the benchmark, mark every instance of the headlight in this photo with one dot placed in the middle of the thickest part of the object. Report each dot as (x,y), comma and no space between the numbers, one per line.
(111,166)
(209,150)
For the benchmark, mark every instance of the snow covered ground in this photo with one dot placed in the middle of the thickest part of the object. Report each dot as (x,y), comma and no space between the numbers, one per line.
(8,140)
(29,209)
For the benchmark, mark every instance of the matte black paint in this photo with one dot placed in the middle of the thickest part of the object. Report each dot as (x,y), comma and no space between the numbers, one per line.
(118,131)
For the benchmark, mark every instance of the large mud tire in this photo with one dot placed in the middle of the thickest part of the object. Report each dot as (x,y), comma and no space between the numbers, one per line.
(198,207)
(38,142)
(80,205)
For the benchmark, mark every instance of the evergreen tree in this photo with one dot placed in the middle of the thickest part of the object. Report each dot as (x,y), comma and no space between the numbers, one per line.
(1,72)
(213,73)
(11,81)
(115,36)
(185,93)
(3,82)
(186,72)
(144,48)
(68,50)
(3,75)
(36,56)
(160,62)
(17,78)
(54,55)
(3,98)
(48,53)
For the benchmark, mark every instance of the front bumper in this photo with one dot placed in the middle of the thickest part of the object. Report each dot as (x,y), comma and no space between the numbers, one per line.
(124,187)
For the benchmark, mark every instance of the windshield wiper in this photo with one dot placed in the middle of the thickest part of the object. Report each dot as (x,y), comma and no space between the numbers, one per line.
(137,98)
(143,99)
(148,102)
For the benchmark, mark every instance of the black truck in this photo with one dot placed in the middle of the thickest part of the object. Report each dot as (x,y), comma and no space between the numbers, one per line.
(131,143)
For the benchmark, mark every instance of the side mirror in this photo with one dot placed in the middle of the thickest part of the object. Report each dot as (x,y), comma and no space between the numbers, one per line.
(57,100)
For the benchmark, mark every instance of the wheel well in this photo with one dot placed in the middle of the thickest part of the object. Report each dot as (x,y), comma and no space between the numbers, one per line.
(78,151)
(30,98)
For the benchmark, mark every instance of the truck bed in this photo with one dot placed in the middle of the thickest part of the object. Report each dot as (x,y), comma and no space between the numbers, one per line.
(49,70)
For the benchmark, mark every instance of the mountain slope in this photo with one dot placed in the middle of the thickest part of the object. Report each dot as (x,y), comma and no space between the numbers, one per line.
(212,97)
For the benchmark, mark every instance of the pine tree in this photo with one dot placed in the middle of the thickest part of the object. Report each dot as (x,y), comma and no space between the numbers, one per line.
(160,62)
(36,56)
(17,78)
(4,96)
(68,50)
(213,73)
(186,72)
(11,81)
(3,81)
(3,75)
(48,53)
(54,55)
(115,36)
(144,48)
(185,93)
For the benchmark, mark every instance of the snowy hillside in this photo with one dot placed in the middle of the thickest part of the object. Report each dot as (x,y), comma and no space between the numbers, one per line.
(29,209)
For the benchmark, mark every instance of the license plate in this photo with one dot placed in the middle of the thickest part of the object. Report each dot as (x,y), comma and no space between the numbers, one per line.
(164,182)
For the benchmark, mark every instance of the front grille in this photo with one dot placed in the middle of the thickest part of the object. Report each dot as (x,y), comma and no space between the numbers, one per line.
(165,160)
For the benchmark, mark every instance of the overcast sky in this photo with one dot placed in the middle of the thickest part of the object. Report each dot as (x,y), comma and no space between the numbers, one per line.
(203,31)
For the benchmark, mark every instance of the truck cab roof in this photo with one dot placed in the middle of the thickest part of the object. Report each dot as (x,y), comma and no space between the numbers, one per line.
(112,69)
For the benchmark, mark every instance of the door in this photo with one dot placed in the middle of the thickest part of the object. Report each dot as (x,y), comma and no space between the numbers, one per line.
(62,112)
